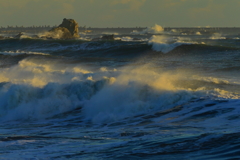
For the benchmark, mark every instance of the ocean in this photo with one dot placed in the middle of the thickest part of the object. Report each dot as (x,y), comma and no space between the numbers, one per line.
(142,96)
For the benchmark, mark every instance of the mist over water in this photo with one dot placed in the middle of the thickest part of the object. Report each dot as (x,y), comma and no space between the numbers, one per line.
(150,95)
(156,29)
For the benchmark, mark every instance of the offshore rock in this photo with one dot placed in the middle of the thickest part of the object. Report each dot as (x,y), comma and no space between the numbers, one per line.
(19,35)
(71,25)
(67,30)
(60,33)
(108,37)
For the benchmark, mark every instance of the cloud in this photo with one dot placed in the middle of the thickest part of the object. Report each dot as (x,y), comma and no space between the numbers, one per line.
(106,17)
(66,9)
(13,3)
(210,10)
(132,4)
(172,3)
(11,7)
(111,13)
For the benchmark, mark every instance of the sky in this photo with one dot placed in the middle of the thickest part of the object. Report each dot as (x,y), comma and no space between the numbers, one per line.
(122,13)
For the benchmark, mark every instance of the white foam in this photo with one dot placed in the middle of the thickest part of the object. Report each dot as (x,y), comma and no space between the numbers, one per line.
(110,33)
(38,90)
(140,91)
(19,52)
(217,36)
(25,102)
(25,37)
(198,33)
(130,39)
(212,79)
(56,34)
(156,29)
(173,31)
(120,101)
(165,44)
(127,39)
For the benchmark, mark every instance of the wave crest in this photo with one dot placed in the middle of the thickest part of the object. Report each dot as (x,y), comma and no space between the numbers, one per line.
(156,29)
(164,44)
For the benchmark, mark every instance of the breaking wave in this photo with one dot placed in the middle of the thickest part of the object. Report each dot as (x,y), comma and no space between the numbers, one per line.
(33,90)
(164,44)
(217,36)
(156,29)
(18,52)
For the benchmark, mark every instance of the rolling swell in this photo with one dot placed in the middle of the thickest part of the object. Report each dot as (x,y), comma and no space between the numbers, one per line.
(75,48)
(109,49)
(199,48)
(159,97)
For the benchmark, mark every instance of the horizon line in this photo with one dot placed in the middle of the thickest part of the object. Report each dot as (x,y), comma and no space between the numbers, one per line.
(49,26)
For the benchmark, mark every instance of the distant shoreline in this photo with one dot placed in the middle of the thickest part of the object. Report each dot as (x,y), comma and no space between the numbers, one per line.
(14,30)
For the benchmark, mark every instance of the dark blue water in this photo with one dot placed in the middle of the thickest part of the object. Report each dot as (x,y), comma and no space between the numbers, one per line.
(154,97)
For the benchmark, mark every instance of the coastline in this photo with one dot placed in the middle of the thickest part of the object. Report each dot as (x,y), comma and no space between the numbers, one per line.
(124,30)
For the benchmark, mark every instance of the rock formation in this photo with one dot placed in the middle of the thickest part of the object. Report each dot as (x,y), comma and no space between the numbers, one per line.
(19,35)
(67,30)
(108,37)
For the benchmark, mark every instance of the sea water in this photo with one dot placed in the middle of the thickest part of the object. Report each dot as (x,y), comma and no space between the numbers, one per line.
(142,96)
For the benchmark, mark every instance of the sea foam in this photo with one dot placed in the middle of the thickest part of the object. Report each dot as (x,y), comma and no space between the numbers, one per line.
(18,52)
(217,36)
(33,91)
(165,44)
(156,29)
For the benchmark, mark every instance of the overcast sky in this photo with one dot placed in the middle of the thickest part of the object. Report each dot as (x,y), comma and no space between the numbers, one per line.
(122,13)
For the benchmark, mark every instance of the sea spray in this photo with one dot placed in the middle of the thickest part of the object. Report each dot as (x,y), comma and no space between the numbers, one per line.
(156,29)
(25,102)
(120,99)
(138,91)
(165,44)
(217,36)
